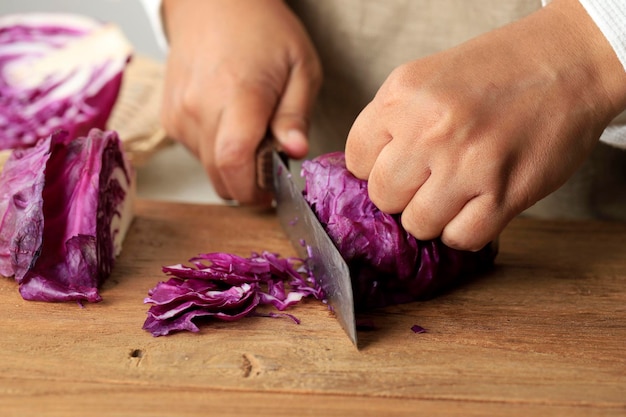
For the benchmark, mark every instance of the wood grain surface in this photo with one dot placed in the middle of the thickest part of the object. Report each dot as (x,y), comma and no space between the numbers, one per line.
(543,333)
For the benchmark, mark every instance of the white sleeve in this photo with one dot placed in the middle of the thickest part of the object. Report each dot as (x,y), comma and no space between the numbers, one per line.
(153,11)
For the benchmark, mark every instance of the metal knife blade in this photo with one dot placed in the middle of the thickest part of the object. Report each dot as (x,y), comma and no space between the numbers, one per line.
(308,237)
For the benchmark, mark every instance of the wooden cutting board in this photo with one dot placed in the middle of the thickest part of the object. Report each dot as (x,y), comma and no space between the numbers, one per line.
(544,333)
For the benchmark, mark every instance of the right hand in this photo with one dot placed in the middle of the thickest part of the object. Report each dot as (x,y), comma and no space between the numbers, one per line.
(462,141)
(235,69)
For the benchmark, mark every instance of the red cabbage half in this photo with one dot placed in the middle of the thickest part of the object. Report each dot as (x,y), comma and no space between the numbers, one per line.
(387,264)
(57,71)
(65,206)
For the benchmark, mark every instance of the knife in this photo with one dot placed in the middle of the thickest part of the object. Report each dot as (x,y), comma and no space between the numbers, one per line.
(307,235)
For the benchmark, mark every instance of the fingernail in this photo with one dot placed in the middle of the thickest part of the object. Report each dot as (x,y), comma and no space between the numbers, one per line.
(294,143)
(294,137)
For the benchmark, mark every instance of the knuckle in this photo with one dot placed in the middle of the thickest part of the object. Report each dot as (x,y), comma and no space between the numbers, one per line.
(231,157)
(189,103)
(317,77)
(381,191)
(354,161)
(314,72)
(414,223)
(379,200)
(398,78)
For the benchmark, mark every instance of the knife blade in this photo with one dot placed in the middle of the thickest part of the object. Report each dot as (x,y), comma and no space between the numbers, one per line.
(309,239)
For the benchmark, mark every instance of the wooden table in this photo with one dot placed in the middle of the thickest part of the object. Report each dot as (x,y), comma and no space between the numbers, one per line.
(543,334)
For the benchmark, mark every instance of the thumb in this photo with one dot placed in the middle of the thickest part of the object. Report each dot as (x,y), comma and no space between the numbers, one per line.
(290,131)
(290,123)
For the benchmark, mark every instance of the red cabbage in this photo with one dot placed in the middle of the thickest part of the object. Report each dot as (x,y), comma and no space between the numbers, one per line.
(226,287)
(57,71)
(387,265)
(65,206)
(416,328)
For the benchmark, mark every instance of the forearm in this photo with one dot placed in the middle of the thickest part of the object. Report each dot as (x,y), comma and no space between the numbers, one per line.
(571,47)
(609,19)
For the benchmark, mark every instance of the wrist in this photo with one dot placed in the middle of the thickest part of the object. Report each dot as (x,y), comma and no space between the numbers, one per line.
(592,59)
(610,17)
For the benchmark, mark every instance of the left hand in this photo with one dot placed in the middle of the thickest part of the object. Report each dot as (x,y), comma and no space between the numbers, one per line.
(236,69)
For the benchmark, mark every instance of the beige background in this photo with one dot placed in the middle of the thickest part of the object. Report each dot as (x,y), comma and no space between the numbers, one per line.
(359,41)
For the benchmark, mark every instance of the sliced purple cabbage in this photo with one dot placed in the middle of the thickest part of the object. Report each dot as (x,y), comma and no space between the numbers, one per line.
(65,206)
(57,71)
(226,287)
(387,265)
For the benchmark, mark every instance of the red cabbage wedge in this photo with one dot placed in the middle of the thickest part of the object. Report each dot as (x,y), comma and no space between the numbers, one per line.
(57,71)
(387,265)
(65,206)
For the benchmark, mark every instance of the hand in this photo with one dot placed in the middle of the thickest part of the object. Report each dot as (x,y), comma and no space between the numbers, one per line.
(237,68)
(462,141)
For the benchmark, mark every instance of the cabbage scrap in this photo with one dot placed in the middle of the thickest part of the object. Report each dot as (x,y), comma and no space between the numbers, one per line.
(387,265)
(65,207)
(226,287)
(57,71)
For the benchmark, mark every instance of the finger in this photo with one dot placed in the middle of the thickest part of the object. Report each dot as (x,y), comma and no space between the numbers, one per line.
(396,176)
(204,139)
(200,142)
(175,121)
(433,206)
(241,128)
(199,139)
(290,123)
(479,222)
(366,139)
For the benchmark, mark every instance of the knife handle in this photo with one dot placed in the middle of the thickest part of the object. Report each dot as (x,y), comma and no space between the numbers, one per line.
(264,164)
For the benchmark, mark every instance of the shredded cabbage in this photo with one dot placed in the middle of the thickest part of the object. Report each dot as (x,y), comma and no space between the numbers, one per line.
(226,287)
